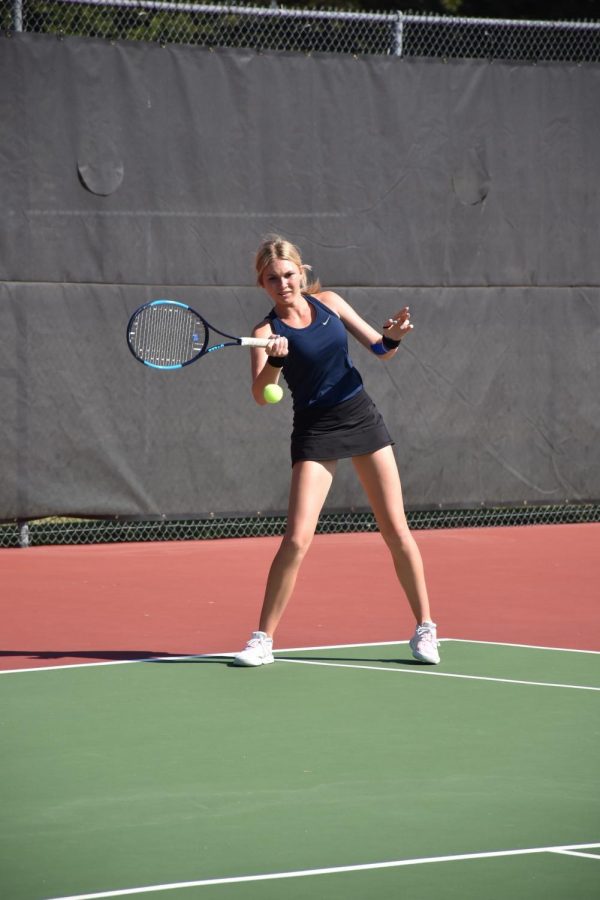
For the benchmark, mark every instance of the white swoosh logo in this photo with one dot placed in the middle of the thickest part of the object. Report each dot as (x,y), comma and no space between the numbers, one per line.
(326,320)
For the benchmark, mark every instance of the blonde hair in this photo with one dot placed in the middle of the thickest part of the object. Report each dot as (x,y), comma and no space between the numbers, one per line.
(276,247)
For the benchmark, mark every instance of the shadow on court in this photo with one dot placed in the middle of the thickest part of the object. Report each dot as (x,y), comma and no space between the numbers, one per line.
(163,658)
(226,660)
(109,655)
(401,661)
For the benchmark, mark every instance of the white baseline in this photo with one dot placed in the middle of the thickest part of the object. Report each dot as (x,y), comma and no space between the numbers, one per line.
(334,870)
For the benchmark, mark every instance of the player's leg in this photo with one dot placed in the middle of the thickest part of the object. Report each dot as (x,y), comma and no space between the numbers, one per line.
(380,479)
(310,485)
(311,482)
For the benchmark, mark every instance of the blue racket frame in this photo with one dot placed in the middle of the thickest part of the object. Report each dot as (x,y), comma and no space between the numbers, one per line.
(197,340)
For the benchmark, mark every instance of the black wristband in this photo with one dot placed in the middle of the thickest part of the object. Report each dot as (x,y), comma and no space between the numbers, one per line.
(389,343)
(276,361)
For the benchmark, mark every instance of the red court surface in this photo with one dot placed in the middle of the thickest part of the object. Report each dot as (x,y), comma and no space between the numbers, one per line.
(535,585)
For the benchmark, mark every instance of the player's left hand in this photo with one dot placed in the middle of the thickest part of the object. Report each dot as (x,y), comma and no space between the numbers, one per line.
(398,325)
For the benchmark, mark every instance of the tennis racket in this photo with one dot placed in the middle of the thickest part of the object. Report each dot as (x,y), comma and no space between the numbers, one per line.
(167,334)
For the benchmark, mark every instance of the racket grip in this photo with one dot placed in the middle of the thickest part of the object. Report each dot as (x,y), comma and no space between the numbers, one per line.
(253,342)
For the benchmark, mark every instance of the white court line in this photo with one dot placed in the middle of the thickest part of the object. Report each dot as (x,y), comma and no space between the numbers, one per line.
(334,870)
(93,665)
(576,853)
(442,640)
(230,654)
(524,646)
(424,671)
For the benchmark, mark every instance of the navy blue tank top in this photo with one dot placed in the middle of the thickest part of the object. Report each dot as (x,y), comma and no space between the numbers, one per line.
(318,369)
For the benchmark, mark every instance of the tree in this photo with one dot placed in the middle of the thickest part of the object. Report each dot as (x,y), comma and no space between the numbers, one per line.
(539,10)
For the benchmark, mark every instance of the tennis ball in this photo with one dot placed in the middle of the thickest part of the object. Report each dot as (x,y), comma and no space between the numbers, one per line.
(273,393)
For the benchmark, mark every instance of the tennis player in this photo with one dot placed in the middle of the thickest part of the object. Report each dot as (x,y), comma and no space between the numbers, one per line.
(334,418)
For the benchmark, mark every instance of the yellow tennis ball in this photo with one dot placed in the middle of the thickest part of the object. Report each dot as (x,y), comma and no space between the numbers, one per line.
(273,393)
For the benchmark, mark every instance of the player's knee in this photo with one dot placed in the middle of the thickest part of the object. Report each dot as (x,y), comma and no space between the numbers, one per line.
(295,546)
(399,541)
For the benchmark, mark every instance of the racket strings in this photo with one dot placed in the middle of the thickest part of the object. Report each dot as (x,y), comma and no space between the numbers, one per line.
(166,335)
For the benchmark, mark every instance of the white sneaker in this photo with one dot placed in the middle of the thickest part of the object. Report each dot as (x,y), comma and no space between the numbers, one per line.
(424,644)
(258,651)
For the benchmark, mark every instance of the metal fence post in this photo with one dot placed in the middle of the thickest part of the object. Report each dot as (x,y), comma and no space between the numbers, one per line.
(24,535)
(399,33)
(17,15)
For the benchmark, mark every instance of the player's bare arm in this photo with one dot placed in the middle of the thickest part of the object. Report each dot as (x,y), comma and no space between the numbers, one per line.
(262,372)
(395,327)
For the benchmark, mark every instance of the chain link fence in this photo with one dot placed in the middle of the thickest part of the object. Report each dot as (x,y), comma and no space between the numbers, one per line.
(106,531)
(307,30)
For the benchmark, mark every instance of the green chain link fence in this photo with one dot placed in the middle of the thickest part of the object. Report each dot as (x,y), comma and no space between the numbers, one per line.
(266,26)
(54,531)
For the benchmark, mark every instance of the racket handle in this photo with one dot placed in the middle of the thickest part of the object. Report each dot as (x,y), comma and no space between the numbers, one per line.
(253,342)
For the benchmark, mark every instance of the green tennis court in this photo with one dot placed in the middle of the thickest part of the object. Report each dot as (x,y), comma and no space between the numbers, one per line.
(339,772)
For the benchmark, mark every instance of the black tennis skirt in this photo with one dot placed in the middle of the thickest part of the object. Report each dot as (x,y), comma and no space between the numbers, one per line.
(351,428)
